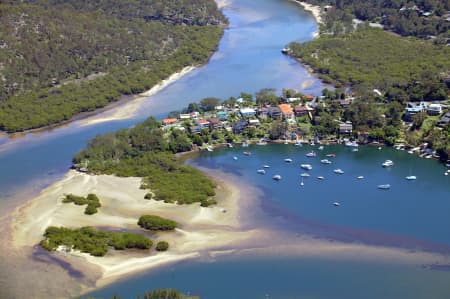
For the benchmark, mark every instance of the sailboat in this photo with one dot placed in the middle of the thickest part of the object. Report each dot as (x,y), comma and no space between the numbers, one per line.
(301,183)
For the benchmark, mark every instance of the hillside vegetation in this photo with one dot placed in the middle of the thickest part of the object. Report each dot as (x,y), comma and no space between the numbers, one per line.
(60,58)
(408,69)
(147,151)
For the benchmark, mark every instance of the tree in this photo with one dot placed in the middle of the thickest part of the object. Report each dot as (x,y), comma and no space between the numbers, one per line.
(208,104)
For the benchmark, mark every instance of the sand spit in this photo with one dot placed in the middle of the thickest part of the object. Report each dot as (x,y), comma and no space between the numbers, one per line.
(315,10)
(129,109)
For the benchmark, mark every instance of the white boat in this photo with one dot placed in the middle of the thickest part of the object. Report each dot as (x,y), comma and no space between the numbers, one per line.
(244,144)
(321,148)
(261,142)
(266,166)
(384,186)
(304,175)
(247,153)
(360,177)
(261,171)
(325,161)
(331,155)
(311,154)
(336,204)
(301,183)
(298,144)
(288,160)
(379,148)
(306,166)
(235,158)
(351,144)
(411,177)
(338,171)
(320,177)
(209,149)
(355,150)
(229,145)
(286,142)
(387,163)
(276,177)
(410,152)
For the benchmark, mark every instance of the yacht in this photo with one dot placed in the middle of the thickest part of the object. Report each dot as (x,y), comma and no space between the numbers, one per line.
(266,166)
(325,161)
(288,160)
(320,177)
(261,171)
(320,148)
(338,171)
(360,177)
(384,186)
(351,144)
(311,154)
(235,158)
(306,166)
(331,155)
(304,175)
(244,144)
(336,204)
(247,153)
(230,145)
(301,183)
(276,177)
(355,150)
(387,163)
(261,142)
(411,177)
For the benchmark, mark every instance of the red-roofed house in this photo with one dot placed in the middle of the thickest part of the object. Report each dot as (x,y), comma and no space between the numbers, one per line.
(169,121)
(202,123)
(286,111)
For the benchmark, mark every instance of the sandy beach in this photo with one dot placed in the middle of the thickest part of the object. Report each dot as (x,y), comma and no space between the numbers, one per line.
(315,10)
(129,109)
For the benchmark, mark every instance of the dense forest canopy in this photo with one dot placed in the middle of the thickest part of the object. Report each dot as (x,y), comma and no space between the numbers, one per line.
(405,69)
(60,58)
(423,18)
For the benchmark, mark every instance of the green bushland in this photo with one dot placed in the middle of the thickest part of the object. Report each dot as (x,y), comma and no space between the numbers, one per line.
(147,151)
(402,17)
(69,57)
(160,294)
(92,202)
(152,222)
(162,246)
(404,69)
(92,241)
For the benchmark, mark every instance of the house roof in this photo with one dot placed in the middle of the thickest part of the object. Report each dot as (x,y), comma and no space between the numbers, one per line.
(285,109)
(248,110)
(169,121)
(214,120)
(202,121)
(301,108)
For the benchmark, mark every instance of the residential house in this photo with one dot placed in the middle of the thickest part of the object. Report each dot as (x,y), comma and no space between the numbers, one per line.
(434,109)
(286,111)
(215,123)
(254,122)
(345,128)
(240,126)
(185,116)
(222,115)
(169,121)
(247,112)
(345,103)
(413,110)
(202,123)
(274,112)
(444,120)
(263,112)
(309,98)
(300,111)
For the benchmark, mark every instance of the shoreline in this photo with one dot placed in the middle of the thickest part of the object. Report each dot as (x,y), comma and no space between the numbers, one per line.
(316,12)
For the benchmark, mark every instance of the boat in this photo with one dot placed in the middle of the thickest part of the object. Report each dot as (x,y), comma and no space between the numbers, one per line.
(311,154)
(338,171)
(288,160)
(384,186)
(304,175)
(331,155)
(229,145)
(244,144)
(379,148)
(301,183)
(410,152)
(247,153)
(325,161)
(336,204)
(298,144)
(360,177)
(261,142)
(266,166)
(209,149)
(320,177)
(306,166)
(320,148)
(235,158)
(286,142)
(351,144)
(411,177)
(285,50)
(276,177)
(261,171)
(387,163)
(355,150)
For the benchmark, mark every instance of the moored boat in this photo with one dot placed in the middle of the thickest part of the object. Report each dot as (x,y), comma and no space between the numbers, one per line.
(311,154)
(384,186)
(331,155)
(360,177)
(320,177)
(336,204)
(261,171)
(411,177)
(276,177)
(325,161)
(338,171)
(247,153)
(288,160)
(387,163)
(304,175)
(306,166)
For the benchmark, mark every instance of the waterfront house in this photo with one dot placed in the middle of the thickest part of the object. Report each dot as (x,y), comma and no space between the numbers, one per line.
(286,111)
(214,123)
(434,109)
(222,115)
(263,112)
(169,121)
(412,110)
(274,112)
(309,98)
(345,128)
(444,120)
(202,123)
(300,111)
(247,112)
(185,116)
(240,126)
